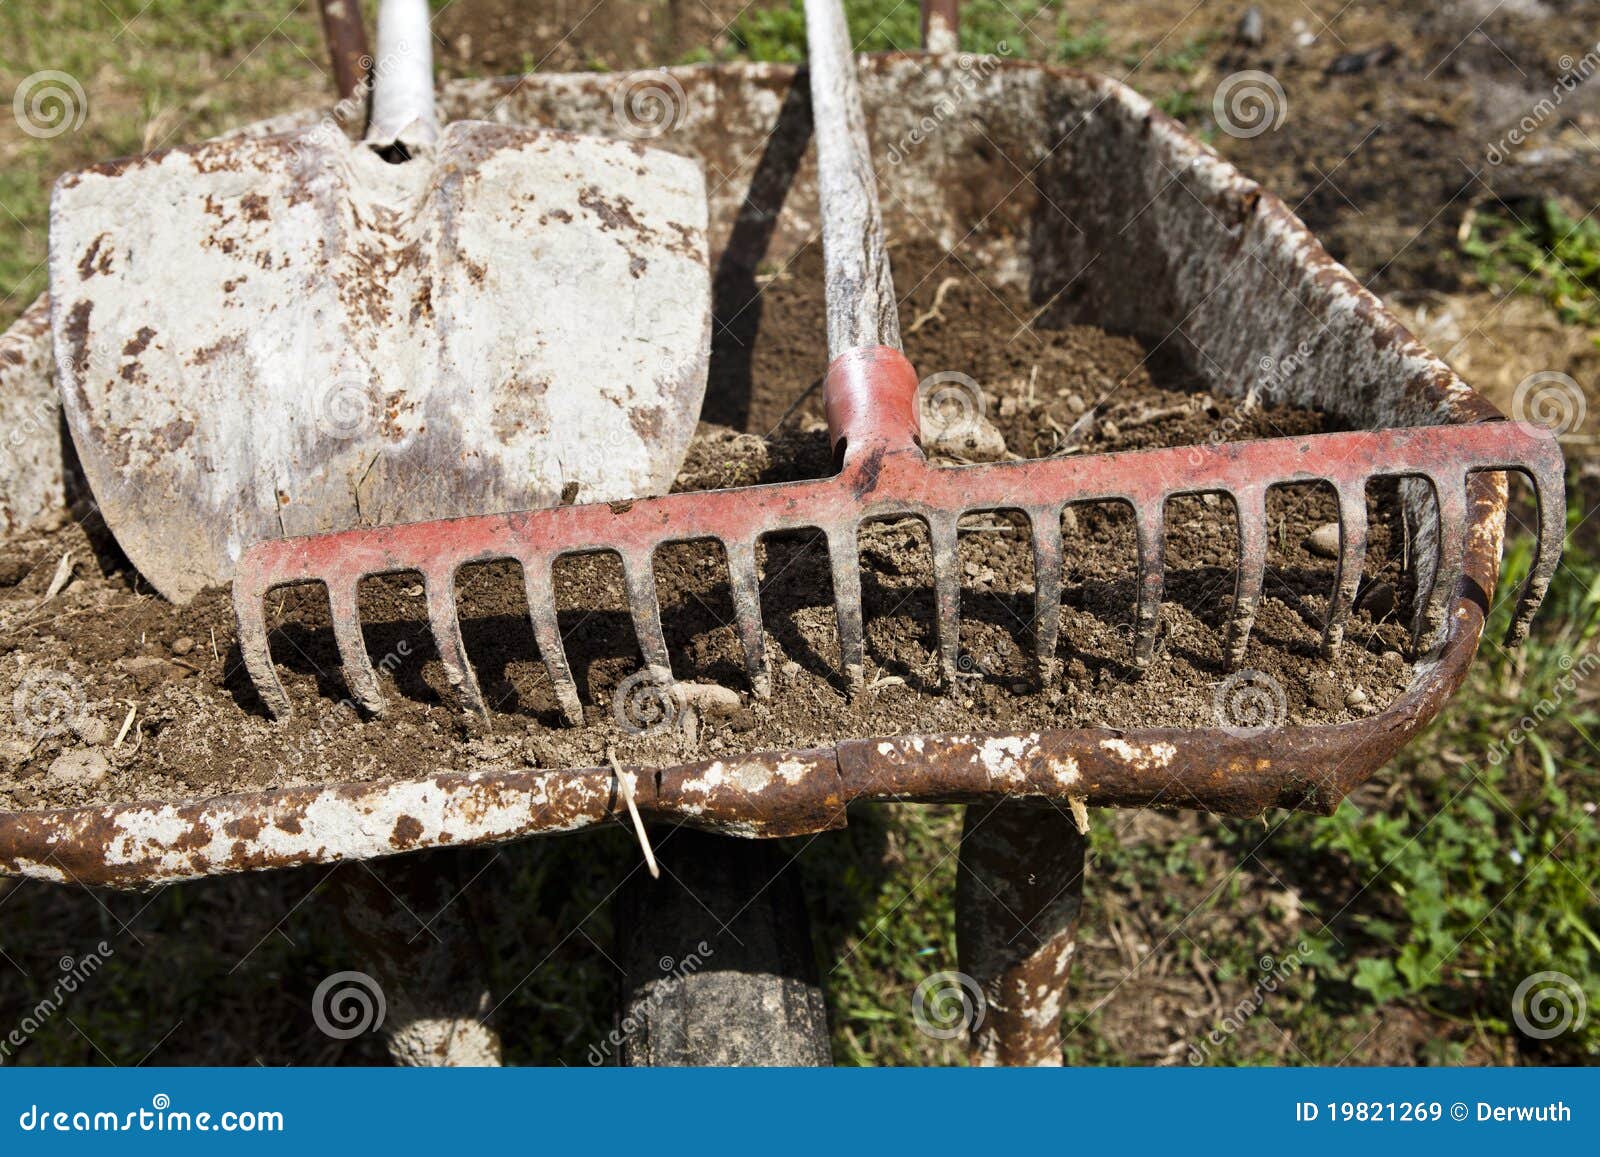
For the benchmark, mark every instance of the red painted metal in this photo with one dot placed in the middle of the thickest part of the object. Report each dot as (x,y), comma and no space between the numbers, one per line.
(871,407)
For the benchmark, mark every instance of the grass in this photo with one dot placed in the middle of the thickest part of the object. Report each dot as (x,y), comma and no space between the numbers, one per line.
(1432,895)
(1538,248)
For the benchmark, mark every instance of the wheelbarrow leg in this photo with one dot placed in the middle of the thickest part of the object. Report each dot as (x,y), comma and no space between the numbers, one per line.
(414,935)
(1019,889)
(717,962)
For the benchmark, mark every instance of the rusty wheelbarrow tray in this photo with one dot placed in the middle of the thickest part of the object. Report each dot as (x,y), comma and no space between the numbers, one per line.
(1069,183)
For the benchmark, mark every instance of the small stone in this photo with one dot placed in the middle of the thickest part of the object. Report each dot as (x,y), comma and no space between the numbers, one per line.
(182,645)
(1356,698)
(150,670)
(1110,429)
(90,729)
(1324,541)
(1076,404)
(1069,521)
(1378,600)
(80,767)
(1392,659)
(1325,693)
(711,700)
(14,753)
(791,669)
(1251,28)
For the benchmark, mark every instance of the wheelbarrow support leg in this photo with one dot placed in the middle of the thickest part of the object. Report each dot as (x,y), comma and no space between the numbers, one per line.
(1019,890)
(413,933)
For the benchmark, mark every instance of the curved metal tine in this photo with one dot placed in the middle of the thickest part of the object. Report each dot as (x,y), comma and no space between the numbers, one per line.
(745,585)
(446,626)
(1047,565)
(1550,493)
(1352,556)
(639,576)
(1450,496)
(538,583)
(1251,503)
(1150,515)
(359,677)
(943,541)
(846,566)
(250,615)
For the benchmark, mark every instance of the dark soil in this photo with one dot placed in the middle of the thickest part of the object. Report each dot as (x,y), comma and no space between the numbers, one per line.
(77,664)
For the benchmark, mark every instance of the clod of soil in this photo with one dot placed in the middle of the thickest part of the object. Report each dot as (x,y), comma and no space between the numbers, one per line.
(158,695)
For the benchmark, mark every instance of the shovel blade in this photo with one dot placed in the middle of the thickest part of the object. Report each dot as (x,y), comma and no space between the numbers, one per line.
(281,336)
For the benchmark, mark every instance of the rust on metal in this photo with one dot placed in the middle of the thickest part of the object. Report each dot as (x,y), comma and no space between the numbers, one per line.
(1254,284)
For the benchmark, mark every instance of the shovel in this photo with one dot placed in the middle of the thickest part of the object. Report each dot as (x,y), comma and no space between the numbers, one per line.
(262,338)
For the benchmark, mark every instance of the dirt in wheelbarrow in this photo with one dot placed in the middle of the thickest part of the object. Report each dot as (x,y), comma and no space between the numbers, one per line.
(117,695)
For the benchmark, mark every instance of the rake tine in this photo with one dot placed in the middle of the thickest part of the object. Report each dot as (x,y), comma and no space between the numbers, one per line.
(1251,502)
(446,625)
(540,590)
(359,676)
(1046,589)
(942,538)
(1433,615)
(249,607)
(1352,554)
(1549,492)
(639,575)
(1151,516)
(745,585)
(846,564)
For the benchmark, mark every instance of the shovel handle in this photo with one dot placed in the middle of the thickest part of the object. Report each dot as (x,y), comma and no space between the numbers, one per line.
(402,77)
(347,45)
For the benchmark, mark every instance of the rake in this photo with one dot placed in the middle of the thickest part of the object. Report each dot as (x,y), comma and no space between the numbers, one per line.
(871,406)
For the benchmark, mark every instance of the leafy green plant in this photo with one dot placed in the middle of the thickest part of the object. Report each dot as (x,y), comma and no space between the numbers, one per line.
(1545,252)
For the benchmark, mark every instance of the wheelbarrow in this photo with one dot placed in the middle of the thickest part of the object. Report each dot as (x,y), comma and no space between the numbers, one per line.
(1155,236)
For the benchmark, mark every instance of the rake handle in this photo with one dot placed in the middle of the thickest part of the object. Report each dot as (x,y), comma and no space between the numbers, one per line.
(860,290)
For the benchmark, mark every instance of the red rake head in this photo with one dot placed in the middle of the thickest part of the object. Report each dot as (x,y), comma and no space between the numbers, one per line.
(871,402)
